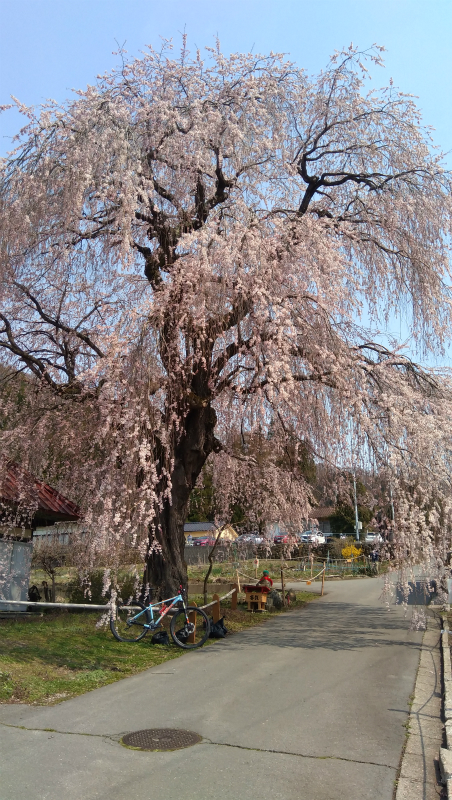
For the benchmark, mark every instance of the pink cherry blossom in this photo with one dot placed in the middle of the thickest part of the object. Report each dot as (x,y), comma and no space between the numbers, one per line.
(187,247)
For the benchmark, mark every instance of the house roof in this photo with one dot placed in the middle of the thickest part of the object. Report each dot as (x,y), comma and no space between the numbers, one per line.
(20,487)
(199,527)
(322,512)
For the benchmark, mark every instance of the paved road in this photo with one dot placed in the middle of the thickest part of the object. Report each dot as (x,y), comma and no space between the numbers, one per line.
(311,704)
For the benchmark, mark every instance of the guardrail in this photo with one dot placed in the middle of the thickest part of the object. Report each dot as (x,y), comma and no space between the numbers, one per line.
(56,605)
(215,603)
(92,607)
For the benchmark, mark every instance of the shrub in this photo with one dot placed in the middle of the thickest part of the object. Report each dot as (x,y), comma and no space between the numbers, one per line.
(49,556)
(351,551)
(90,589)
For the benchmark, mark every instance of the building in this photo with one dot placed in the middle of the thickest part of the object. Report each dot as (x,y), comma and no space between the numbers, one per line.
(198,529)
(30,503)
(322,515)
(25,504)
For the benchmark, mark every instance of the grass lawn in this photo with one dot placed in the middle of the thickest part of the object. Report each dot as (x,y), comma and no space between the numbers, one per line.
(48,659)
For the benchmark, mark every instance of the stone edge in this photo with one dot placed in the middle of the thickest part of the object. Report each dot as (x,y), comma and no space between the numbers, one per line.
(445,753)
(403,784)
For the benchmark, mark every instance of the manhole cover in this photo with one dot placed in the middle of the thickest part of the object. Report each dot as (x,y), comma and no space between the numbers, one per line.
(161,739)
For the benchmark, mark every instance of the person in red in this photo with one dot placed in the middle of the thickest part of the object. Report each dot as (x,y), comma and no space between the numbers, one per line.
(265,580)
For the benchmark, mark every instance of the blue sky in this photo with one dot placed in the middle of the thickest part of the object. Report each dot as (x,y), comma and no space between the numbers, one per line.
(48,47)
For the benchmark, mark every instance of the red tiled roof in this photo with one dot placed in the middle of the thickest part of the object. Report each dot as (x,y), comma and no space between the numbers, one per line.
(20,486)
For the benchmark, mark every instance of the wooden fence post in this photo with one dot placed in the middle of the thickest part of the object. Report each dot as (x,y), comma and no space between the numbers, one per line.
(323,582)
(192,618)
(216,608)
(234,597)
(283,587)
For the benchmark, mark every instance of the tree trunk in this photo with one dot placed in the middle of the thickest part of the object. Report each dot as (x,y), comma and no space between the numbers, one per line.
(166,571)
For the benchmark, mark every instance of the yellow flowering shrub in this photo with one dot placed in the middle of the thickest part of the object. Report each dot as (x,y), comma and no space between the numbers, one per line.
(351,551)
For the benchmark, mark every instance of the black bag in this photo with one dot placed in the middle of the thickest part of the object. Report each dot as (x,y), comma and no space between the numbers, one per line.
(161,637)
(218,630)
(182,635)
(34,594)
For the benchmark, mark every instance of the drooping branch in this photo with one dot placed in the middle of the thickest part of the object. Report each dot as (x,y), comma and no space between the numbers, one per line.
(57,324)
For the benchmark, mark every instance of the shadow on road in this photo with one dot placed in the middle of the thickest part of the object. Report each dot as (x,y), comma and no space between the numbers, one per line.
(333,626)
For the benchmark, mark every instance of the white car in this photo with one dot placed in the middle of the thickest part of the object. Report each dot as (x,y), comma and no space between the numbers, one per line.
(313,537)
(317,538)
(250,538)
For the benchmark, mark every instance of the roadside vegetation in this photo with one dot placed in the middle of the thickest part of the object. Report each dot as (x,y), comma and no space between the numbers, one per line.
(354,563)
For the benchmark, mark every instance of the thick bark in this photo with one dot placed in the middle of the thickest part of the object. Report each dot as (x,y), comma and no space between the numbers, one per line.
(166,571)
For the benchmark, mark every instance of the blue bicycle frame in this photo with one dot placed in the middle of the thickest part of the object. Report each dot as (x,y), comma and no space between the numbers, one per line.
(164,605)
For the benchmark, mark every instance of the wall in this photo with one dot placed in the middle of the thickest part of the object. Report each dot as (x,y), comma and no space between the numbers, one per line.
(15,567)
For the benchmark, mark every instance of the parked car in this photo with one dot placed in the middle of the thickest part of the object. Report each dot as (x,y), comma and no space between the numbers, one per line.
(250,538)
(313,537)
(317,538)
(203,541)
(373,538)
(286,538)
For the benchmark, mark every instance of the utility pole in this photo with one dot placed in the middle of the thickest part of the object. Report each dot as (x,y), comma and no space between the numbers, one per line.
(392,503)
(391,535)
(356,509)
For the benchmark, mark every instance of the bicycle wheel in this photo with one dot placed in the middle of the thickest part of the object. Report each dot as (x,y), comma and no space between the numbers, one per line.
(190,623)
(124,629)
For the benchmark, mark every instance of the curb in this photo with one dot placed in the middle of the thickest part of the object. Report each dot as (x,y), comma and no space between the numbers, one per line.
(445,753)
(419,772)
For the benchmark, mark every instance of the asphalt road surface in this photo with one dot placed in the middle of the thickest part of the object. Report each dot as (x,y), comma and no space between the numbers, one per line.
(310,705)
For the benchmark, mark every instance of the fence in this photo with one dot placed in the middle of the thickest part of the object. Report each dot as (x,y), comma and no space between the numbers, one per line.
(215,604)
(295,568)
(200,555)
(244,552)
(294,563)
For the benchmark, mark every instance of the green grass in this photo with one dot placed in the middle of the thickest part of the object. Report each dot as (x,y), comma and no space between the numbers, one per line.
(54,657)
(60,656)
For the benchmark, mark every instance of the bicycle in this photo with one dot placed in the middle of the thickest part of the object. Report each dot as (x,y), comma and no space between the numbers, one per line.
(189,626)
